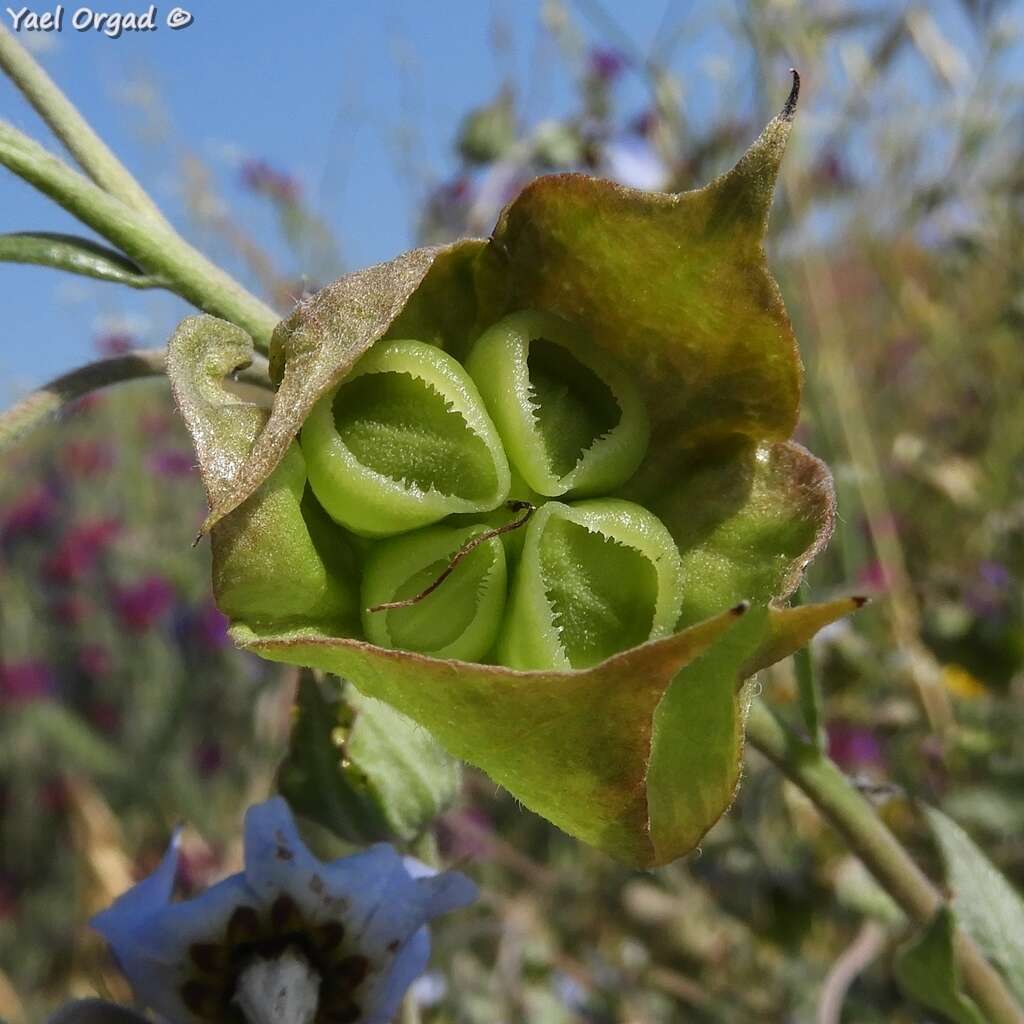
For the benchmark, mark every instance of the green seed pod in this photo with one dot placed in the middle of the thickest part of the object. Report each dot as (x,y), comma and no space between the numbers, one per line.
(404,442)
(305,573)
(461,618)
(572,419)
(595,578)
(646,745)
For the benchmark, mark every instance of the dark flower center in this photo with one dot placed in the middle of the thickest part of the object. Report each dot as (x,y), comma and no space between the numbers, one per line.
(250,935)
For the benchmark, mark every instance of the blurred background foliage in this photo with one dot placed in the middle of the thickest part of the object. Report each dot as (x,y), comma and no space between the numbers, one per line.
(898,239)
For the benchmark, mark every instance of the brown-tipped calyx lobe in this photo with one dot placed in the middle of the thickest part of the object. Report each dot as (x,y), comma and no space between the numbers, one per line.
(789,109)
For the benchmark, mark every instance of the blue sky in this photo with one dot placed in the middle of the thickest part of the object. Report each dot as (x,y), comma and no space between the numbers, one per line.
(360,101)
(328,90)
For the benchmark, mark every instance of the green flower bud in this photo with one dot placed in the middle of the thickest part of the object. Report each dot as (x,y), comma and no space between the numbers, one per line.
(460,618)
(595,578)
(572,419)
(488,133)
(404,442)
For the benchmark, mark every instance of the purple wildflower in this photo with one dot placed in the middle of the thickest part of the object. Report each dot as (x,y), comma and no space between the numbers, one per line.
(874,575)
(854,747)
(171,462)
(70,609)
(210,627)
(106,717)
(988,594)
(79,549)
(140,605)
(30,516)
(208,758)
(467,833)
(643,124)
(22,682)
(88,458)
(260,177)
(154,424)
(607,64)
(114,344)
(94,661)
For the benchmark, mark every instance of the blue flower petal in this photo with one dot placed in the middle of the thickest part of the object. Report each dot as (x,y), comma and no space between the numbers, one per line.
(383,993)
(383,900)
(277,860)
(447,891)
(383,904)
(141,900)
(153,950)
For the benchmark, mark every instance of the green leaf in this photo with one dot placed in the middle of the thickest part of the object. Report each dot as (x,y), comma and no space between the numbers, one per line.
(788,629)
(927,971)
(697,742)
(986,905)
(76,256)
(746,517)
(74,742)
(673,286)
(361,769)
(574,746)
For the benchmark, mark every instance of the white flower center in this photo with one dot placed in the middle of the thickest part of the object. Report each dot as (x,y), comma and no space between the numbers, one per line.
(284,990)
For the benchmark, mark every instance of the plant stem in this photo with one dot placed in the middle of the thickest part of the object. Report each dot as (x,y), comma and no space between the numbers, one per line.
(33,410)
(808,689)
(156,248)
(91,152)
(852,815)
(410,1011)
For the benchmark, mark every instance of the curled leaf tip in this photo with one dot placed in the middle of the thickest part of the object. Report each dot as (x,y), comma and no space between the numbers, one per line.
(789,110)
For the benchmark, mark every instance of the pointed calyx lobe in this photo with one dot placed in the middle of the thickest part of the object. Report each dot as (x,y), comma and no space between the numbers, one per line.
(673,289)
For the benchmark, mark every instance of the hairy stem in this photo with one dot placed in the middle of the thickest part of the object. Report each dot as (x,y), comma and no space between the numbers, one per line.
(91,152)
(848,811)
(37,407)
(157,249)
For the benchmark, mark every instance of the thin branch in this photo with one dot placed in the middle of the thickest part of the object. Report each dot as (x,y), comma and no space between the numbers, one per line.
(860,954)
(36,408)
(868,836)
(91,152)
(157,249)
(39,406)
(75,255)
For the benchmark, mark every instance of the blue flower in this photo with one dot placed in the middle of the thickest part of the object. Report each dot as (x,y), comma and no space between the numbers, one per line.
(288,939)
